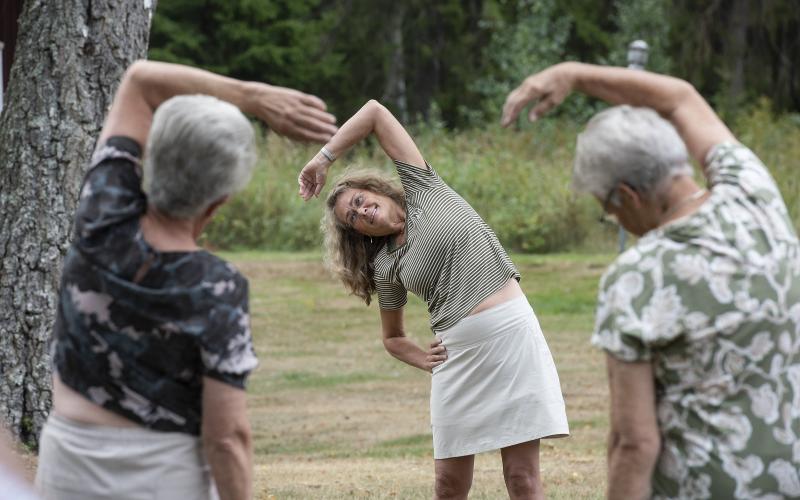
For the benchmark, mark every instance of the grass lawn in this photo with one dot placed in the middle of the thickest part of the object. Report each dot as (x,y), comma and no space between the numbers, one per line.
(334,416)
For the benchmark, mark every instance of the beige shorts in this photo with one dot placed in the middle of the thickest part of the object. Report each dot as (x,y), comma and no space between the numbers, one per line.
(88,462)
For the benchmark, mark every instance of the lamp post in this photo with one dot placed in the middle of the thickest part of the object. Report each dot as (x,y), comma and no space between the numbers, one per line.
(637,59)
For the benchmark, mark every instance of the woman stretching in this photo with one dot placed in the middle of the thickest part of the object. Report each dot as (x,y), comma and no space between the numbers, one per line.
(494,384)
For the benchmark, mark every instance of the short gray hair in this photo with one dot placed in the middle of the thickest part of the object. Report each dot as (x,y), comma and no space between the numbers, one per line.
(199,150)
(631,145)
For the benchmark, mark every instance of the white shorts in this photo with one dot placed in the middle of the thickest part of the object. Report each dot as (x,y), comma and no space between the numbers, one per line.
(88,462)
(498,387)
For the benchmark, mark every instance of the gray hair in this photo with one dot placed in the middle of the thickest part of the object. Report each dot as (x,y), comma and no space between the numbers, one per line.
(631,145)
(199,150)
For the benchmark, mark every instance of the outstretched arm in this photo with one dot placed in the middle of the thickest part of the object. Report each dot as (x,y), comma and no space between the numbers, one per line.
(676,100)
(405,349)
(146,84)
(372,118)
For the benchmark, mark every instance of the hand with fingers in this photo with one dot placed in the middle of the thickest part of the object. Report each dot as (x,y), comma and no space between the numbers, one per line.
(293,114)
(548,88)
(312,177)
(436,355)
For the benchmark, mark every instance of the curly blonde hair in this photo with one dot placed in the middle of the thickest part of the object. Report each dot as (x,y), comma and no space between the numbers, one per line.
(349,254)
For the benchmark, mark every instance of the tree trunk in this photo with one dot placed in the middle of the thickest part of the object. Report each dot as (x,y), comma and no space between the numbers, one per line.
(69,58)
(738,50)
(394,92)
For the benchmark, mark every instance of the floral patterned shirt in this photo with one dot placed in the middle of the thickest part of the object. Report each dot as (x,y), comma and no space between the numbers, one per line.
(713,301)
(138,329)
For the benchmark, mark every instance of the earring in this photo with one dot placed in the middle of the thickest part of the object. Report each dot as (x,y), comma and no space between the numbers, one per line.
(370,240)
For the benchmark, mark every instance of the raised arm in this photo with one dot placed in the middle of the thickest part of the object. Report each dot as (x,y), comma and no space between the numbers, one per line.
(406,350)
(146,84)
(372,118)
(676,100)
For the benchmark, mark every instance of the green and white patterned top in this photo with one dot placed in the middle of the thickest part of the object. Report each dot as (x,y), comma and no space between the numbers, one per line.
(713,300)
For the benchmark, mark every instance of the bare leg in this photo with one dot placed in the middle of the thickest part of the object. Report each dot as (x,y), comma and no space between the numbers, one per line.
(521,471)
(453,477)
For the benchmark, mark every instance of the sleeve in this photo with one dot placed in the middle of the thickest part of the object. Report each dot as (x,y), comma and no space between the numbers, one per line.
(392,294)
(111,192)
(634,314)
(735,164)
(416,179)
(226,347)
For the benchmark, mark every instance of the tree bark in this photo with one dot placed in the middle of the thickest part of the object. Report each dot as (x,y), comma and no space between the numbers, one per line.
(69,58)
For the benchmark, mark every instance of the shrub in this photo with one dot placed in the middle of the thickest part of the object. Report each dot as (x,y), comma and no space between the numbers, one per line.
(518,181)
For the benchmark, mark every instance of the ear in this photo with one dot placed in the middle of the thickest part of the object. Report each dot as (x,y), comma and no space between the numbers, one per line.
(629,196)
(212,208)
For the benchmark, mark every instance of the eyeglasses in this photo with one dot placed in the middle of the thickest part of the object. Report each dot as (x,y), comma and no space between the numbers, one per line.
(605,217)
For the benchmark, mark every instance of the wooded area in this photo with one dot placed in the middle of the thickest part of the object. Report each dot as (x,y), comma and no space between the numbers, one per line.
(454,60)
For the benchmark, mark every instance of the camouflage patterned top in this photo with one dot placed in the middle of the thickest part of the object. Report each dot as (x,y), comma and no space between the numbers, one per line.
(137,329)
(713,300)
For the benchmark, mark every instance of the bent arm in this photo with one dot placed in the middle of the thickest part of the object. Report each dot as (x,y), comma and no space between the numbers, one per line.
(675,99)
(372,118)
(147,84)
(226,437)
(401,347)
(634,441)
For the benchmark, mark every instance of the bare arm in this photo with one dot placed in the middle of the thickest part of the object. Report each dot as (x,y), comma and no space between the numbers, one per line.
(372,118)
(403,348)
(676,100)
(226,439)
(634,440)
(146,84)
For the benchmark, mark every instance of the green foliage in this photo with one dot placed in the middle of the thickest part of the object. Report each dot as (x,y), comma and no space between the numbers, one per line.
(642,20)
(534,40)
(518,181)
(458,58)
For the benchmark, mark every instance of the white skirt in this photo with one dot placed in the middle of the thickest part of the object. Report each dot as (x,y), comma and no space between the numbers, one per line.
(498,387)
(82,462)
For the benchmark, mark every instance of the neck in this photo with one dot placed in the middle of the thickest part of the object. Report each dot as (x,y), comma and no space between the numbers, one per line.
(167,234)
(683,198)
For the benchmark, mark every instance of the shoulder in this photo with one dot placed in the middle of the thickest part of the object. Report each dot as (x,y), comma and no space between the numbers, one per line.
(418,178)
(222,280)
(734,163)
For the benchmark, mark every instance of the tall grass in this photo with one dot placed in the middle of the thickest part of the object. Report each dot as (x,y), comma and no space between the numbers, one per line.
(519,181)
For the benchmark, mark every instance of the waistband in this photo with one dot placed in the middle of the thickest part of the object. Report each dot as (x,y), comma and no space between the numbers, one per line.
(502,318)
(104,433)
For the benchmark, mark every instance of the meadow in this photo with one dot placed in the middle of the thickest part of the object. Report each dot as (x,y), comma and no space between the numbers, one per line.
(335,417)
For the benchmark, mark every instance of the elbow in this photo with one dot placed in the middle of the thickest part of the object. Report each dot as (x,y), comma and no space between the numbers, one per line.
(229,443)
(375,106)
(389,345)
(136,69)
(644,448)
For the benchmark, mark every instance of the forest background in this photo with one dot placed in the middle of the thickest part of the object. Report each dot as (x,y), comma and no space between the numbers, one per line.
(445,67)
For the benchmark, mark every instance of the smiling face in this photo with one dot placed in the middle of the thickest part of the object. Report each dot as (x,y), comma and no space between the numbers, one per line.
(369,213)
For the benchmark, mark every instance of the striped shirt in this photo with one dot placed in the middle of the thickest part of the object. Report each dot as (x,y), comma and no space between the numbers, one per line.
(451,258)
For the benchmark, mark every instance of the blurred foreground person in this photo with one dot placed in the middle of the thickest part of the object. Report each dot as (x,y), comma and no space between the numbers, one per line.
(494,384)
(152,340)
(13,482)
(700,320)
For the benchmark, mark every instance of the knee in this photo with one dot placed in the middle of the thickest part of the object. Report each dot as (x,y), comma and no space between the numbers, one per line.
(522,484)
(451,486)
